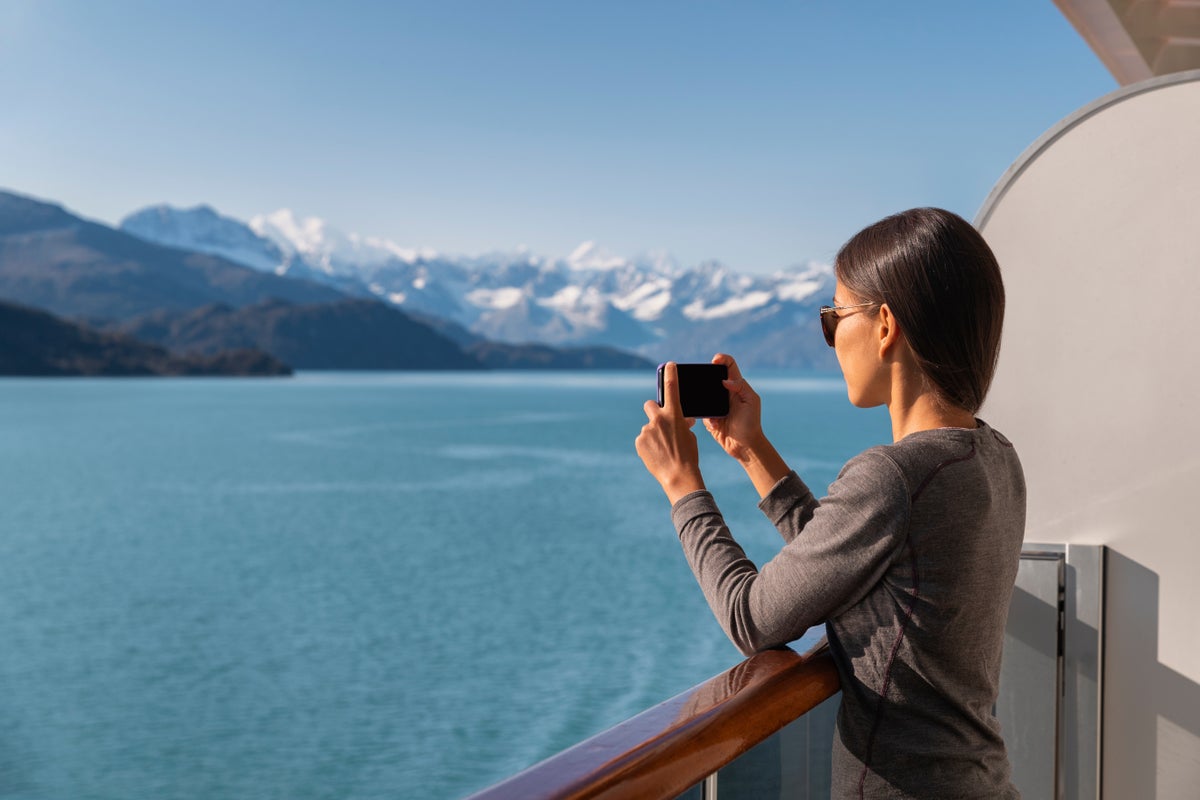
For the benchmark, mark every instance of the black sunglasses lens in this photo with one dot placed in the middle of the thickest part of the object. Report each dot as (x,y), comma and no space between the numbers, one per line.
(829,322)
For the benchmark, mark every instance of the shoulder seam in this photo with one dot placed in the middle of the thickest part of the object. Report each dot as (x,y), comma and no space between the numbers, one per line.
(933,473)
(882,452)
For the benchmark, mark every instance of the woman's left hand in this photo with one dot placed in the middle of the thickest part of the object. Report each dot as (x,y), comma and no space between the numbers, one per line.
(667,445)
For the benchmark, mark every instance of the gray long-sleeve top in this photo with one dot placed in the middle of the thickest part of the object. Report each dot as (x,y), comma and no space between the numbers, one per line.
(910,562)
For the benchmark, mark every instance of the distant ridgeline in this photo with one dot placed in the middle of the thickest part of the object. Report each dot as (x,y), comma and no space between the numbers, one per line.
(36,343)
(136,307)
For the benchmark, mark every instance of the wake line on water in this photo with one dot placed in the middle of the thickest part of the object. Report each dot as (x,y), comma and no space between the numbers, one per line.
(492,479)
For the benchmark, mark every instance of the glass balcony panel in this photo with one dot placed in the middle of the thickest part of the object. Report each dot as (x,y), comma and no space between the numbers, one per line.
(794,764)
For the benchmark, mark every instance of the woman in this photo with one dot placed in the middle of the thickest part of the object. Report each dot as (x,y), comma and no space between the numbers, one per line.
(910,560)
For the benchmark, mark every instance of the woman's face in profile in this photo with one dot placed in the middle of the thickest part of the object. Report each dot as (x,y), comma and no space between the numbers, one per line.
(857,348)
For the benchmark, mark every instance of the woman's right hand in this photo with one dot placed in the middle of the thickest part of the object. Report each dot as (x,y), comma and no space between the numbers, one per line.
(740,433)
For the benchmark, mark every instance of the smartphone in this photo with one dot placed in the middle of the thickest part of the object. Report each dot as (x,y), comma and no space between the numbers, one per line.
(701,393)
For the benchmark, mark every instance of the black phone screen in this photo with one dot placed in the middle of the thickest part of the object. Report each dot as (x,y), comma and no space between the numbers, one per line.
(701,393)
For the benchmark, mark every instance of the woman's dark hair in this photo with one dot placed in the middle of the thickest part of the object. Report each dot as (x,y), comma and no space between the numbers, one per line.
(941,281)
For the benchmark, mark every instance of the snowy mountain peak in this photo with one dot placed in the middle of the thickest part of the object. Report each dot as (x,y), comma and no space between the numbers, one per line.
(294,236)
(290,233)
(202,229)
(660,262)
(330,250)
(589,256)
(803,281)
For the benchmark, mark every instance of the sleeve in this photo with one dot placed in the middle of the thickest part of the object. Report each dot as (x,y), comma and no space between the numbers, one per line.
(789,505)
(839,549)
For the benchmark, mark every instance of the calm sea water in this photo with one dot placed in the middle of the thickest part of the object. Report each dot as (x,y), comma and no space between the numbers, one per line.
(349,585)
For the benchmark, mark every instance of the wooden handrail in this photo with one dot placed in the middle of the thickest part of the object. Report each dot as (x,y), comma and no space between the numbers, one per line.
(666,749)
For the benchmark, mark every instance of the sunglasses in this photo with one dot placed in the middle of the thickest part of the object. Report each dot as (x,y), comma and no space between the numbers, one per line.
(829,319)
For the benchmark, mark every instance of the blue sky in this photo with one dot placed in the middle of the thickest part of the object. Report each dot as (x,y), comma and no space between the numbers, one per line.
(761,134)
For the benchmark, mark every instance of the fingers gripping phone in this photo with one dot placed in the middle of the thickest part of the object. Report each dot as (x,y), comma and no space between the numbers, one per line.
(701,392)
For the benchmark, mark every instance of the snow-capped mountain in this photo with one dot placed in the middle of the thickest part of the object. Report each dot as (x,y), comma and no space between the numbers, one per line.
(203,229)
(648,304)
(328,249)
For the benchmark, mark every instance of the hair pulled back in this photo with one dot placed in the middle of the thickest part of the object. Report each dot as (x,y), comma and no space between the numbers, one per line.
(941,281)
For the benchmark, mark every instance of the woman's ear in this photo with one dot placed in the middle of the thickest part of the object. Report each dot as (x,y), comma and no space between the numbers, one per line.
(888,331)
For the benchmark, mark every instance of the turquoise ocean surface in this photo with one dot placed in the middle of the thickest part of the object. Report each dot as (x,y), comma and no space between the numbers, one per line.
(351,585)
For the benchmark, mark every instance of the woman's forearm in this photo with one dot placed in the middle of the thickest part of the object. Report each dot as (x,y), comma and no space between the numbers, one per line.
(764,466)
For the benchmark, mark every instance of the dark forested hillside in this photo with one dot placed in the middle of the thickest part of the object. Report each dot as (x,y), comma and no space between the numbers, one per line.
(36,343)
(349,334)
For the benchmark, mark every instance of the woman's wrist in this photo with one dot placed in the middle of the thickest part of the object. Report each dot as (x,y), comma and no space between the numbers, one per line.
(755,451)
(763,465)
(682,484)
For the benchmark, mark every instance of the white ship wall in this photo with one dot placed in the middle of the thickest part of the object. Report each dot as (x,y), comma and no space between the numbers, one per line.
(1097,230)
